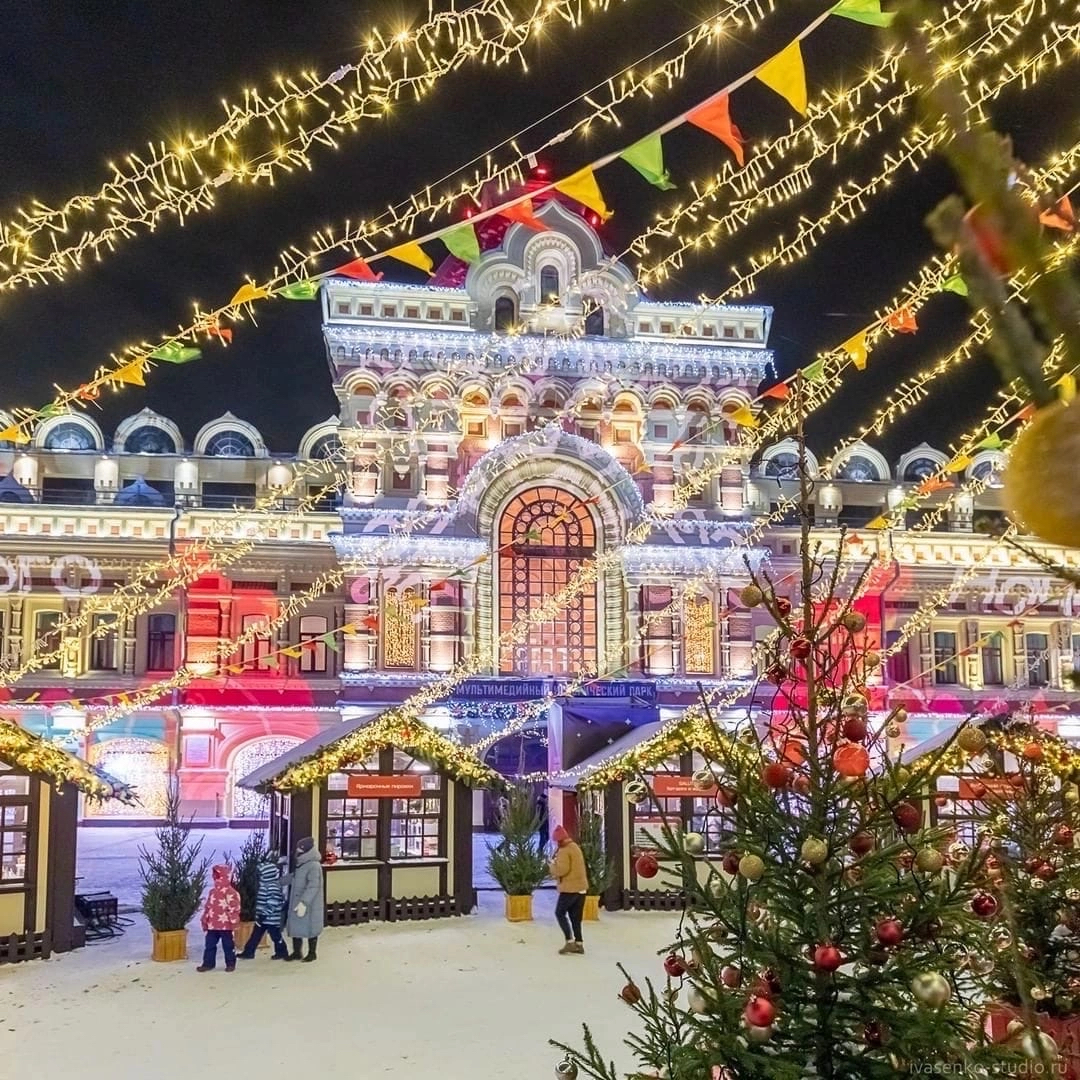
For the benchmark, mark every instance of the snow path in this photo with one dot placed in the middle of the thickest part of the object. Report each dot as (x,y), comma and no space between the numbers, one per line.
(448,999)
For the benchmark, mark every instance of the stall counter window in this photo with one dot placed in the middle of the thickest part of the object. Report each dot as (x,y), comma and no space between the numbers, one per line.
(685,808)
(14,825)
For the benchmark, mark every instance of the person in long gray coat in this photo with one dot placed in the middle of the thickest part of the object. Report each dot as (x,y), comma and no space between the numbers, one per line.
(306,900)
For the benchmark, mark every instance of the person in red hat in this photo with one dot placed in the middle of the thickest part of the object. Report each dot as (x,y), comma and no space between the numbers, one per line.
(568,870)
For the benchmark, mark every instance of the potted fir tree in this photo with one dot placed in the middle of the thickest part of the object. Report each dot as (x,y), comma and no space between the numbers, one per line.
(173,878)
(517,862)
(246,882)
(598,867)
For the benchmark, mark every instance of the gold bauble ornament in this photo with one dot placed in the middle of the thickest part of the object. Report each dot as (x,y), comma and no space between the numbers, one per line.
(751,595)
(566,1070)
(814,851)
(636,792)
(931,988)
(900,716)
(971,739)
(855,621)
(751,867)
(893,729)
(704,779)
(1040,475)
(872,660)
(1072,894)
(1037,1044)
(1039,993)
(694,843)
(929,860)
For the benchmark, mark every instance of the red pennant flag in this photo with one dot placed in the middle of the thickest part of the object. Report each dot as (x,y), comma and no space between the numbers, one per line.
(212,327)
(358,269)
(714,116)
(522,213)
(1062,217)
(903,321)
(675,445)
(780,392)
(88,392)
(371,623)
(1026,413)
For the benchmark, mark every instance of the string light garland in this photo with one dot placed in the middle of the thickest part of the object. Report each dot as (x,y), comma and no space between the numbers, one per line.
(299,115)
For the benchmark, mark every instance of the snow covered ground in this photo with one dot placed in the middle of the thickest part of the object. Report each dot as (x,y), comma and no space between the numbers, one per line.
(449,998)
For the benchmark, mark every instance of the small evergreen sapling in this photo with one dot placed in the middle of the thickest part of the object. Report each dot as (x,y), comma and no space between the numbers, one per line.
(516,862)
(173,876)
(246,873)
(598,866)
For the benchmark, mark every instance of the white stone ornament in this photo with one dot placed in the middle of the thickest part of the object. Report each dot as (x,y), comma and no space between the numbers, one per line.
(697,1001)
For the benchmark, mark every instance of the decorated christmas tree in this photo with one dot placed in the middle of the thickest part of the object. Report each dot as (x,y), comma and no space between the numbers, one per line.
(832,937)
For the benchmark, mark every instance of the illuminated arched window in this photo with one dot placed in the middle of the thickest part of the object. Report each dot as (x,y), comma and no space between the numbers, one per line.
(549,285)
(698,626)
(505,314)
(545,535)
(399,628)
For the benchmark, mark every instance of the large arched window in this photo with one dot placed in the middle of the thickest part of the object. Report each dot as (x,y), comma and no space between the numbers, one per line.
(505,314)
(229,444)
(545,535)
(69,436)
(149,439)
(550,293)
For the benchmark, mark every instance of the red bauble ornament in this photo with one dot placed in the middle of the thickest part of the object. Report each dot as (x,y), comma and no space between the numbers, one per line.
(874,1033)
(801,648)
(890,932)
(726,797)
(630,994)
(1063,836)
(1032,752)
(759,1012)
(730,976)
(941,800)
(1046,872)
(1017,780)
(783,605)
(767,983)
(647,866)
(854,728)
(675,965)
(984,905)
(827,958)
(801,785)
(776,775)
(907,816)
(862,843)
(851,760)
(1032,863)
(329,858)
(977,789)
(730,863)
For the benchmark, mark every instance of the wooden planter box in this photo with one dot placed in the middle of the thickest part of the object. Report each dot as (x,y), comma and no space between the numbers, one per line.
(1064,1030)
(519,908)
(592,909)
(242,934)
(169,945)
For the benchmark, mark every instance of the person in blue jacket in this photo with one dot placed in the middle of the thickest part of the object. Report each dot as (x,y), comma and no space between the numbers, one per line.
(269,910)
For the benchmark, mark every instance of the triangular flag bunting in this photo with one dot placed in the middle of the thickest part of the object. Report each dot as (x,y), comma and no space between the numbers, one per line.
(371,622)
(715,118)
(31,698)
(779,392)
(583,188)
(647,156)
(223,332)
(958,464)
(348,629)
(1061,217)
(991,442)
(299,290)
(955,284)
(1026,413)
(175,353)
(413,255)
(522,212)
(643,468)
(855,349)
(248,293)
(330,641)
(864,11)
(462,242)
(814,372)
(743,417)
(786,74)
(1066,387)
(14,434)
(902,321)
(293,651)
(358,269)
(877,523)
(130,374)
(417,602)
(235,669)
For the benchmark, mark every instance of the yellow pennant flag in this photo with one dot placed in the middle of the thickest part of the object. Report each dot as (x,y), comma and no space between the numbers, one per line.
(1066,387)
(414,255)
(743,417)
(235,669)
(785,74)
(248,292)
(130,374)
(349,629)
(417,602)
(292,650)
(856,350)
(14,434)
(958,464)
(583,188)
(877,523)
(31,698)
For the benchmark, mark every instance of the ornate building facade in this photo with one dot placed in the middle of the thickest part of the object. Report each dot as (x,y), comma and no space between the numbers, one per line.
(482,455)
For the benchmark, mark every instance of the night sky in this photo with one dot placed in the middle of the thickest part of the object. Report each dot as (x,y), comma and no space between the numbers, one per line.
(84,82)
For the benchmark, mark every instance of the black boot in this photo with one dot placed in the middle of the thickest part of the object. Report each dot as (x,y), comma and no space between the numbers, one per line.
(312,942)
(296,944)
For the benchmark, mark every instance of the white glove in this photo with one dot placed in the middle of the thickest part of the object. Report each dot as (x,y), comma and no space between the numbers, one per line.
(301,909)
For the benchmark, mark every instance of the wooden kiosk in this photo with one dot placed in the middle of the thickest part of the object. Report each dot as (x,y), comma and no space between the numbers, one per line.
(39,812)
(389,803)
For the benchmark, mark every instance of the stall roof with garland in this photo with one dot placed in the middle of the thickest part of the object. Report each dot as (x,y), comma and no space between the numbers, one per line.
(356,740)
(23,750)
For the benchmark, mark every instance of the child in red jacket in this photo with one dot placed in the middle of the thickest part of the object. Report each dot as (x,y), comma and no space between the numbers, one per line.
(220,918)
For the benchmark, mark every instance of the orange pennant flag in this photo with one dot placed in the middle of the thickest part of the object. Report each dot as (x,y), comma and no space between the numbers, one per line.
(902,321)
(714,116)
(786,74)
(1026,413)
(1061,217)
(523,214)
(856,350)
(781,392)
(583,188)
(130,374)
(247,293)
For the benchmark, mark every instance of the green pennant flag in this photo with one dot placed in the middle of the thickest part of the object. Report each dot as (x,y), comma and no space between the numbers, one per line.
(991,442)
(647,156)
(955,284)
(175,353)
(864,11)
(462,242)
(814,372)
(300,290)
(47,412)
(330,641)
